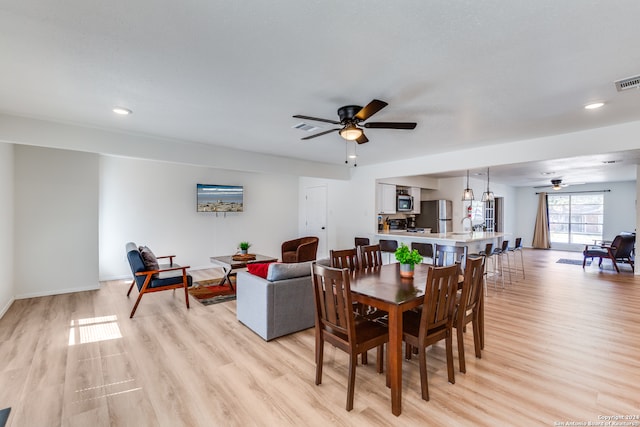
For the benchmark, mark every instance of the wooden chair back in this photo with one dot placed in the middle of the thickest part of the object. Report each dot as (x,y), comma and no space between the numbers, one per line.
(449,255)
(345,258)
(334,312)
(472,286)
(469,308)
(371,256)
(439,299)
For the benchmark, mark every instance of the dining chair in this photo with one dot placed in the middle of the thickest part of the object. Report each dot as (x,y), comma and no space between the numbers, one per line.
(370,256)
(424,249)
(336,324)
(345,258)
(468,309)
(448,255)
(389,247)
(435,321)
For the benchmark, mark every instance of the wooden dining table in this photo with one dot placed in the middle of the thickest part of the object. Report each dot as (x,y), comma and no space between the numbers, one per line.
(383,288)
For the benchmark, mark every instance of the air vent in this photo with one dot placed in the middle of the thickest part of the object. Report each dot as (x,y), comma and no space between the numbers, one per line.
(629,83)
(306,127)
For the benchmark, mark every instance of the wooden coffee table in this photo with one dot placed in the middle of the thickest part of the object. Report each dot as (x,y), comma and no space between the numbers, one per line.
(229,265)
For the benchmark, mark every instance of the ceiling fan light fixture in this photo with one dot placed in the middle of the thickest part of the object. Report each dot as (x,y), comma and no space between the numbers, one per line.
(555,184)
(351,132)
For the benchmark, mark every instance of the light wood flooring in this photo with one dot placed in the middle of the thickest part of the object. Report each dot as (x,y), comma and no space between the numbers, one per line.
(561,345)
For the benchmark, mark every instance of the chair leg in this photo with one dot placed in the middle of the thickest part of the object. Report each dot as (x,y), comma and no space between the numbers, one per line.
(459,333)
(449,346)
(422,354)
(477,338)
(380,359)
(131,287)
(135,306)
(186,294)
(319,356)
(615,265)
(353,360)
(407,351)
(365,360)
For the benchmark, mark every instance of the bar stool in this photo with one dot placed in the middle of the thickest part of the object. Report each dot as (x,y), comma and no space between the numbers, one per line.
(487,254)
(388,247)
(500,253)
(517,248)
(361,241)
(424,249)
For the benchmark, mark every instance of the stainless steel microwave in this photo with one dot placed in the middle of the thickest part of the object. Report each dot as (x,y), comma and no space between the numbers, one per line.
(405,203)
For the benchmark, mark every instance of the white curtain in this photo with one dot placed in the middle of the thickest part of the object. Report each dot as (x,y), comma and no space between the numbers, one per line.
(541,231)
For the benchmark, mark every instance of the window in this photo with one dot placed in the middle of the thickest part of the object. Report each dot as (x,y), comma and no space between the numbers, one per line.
(575,218)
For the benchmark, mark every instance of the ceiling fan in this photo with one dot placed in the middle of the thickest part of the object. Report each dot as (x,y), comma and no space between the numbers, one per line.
(557,184)
(350,118)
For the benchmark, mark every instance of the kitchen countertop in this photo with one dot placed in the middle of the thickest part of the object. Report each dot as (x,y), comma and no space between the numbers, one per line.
(453,237)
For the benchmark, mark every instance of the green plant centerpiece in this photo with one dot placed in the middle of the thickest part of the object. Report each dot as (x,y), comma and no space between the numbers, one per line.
(407,259)
(244,247)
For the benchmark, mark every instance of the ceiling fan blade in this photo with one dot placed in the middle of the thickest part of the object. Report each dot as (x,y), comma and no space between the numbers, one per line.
(316,119)
(362,139)
(390,125)
(319,134)
(370,109)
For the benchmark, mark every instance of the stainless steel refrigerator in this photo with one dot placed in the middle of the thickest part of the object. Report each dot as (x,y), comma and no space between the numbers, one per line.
(436,215)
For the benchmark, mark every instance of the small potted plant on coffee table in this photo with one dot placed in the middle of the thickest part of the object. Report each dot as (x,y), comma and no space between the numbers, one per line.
(407,259)
(244,247)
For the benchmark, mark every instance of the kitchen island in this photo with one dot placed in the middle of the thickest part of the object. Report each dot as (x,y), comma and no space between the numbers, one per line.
(475,241)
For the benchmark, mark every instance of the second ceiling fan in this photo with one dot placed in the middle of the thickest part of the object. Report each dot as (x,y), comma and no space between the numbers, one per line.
(350,118)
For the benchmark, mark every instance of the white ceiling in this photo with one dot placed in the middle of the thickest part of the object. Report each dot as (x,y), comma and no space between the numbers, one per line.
(232,73)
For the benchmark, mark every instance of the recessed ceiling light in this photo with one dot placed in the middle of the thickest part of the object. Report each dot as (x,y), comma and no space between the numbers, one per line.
(594,105)
(353,156)
(122,111)
(547,173)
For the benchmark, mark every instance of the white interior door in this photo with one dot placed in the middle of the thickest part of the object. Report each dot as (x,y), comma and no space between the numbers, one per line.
(316,216)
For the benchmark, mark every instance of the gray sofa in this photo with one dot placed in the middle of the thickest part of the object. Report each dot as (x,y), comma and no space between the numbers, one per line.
(278,305)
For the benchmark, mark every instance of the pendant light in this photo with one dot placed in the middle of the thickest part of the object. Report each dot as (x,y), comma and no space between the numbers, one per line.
(467,195)
(488,196)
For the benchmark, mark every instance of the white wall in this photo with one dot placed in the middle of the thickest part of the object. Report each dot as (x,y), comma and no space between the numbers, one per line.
(56,221)
(7,290)
(619,210)
(154,204)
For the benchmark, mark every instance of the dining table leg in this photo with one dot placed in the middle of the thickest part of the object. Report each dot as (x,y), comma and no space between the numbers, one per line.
(394,354)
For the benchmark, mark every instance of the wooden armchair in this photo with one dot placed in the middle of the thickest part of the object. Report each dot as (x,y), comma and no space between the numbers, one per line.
(149,276)
(300,250)
(620,250)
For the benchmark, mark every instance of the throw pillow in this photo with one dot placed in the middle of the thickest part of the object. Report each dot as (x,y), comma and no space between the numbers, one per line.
(259,269)
(283,271)
(149,259)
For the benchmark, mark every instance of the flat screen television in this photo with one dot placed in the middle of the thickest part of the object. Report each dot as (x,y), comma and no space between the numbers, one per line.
(219,198)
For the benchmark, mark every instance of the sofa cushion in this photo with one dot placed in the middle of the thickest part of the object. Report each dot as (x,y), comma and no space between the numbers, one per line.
(283,271)
(259,269)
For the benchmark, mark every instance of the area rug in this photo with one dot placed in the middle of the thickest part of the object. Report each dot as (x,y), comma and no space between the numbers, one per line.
(212,294)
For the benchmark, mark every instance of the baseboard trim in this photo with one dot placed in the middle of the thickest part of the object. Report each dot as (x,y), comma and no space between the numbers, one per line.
(6,307)
(58,292)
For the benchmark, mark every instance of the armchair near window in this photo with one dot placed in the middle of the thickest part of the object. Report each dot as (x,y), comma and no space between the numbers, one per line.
(300,250)
(620,250)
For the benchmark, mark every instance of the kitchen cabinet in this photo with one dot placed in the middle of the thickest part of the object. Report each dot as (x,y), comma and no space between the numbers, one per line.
(415,193)
(386,198)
